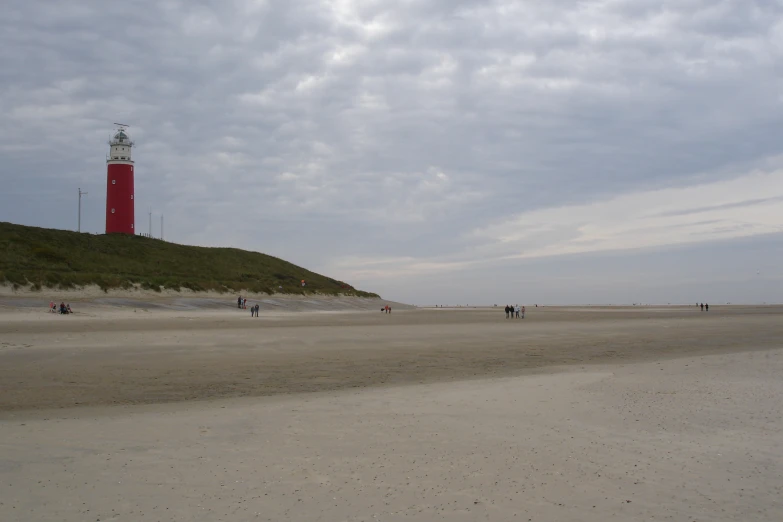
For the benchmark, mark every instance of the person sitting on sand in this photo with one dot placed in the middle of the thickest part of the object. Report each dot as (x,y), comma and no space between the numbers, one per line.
(62,308)
(68,307)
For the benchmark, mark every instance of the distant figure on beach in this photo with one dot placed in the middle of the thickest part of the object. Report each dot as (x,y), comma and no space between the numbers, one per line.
(507,311)
(707,307)
(517,309)
(523,312)
(258,307)
(702,307)
(239,302)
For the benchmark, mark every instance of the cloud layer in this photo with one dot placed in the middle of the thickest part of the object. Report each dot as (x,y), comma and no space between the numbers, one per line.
(378,140)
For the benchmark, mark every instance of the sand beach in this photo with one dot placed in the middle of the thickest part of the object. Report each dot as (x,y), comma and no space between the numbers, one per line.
(186,410)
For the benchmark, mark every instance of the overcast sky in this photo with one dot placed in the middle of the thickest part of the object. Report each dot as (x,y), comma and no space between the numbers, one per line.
(441,151)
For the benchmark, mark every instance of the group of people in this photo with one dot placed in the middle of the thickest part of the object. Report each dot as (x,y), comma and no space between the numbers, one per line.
(63,308)
(386,309)
(516,310)
(704,307)
(242,305)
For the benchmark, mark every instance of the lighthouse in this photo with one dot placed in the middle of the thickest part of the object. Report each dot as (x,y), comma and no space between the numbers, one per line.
(119,184)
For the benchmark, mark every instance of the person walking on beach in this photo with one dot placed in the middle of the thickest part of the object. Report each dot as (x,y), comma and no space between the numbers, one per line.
(702,307)
(517,310)
(523,312)
(707,307)
(258,307)
(239,302)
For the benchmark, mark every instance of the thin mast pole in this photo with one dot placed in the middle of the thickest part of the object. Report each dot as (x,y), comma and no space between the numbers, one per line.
(79,226)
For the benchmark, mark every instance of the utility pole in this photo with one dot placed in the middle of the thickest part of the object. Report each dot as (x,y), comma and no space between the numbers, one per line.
(150,222)
(79,229)
(161,227)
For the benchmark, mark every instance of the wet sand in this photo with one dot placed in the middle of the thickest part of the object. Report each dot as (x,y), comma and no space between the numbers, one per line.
(111,355)
(570,414)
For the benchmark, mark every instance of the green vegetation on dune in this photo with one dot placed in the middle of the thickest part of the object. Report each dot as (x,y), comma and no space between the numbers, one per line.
(41,257)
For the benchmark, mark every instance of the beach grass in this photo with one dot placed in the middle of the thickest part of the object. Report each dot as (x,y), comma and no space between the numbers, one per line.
(35,258)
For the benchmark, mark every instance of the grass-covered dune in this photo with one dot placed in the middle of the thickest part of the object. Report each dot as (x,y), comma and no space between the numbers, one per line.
(34,258)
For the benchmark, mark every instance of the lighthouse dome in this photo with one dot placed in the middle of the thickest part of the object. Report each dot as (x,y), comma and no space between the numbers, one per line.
(121,138)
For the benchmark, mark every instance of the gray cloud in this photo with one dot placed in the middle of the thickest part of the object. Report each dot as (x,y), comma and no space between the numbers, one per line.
(725,206)
(328,131)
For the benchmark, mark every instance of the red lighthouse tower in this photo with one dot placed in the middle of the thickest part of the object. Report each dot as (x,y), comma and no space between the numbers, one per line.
(119,184)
